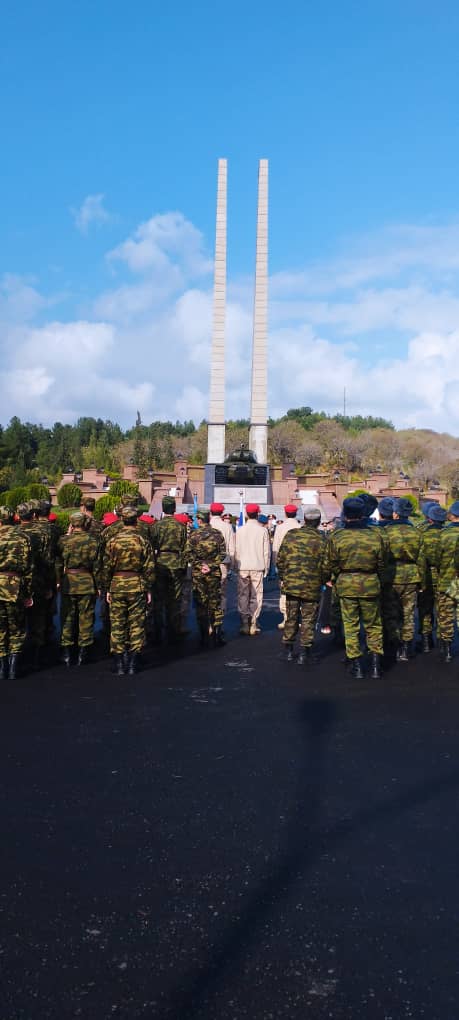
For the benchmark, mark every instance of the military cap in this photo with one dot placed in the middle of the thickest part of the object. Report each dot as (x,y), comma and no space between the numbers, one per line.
(403,507)
(262,518)
(437,513)
(182,518)
(354,507)
(216,508)
(253,508)
(386,506)
(88,502)
(24,511)
(34,505)
(311,512)
(168,504)
(147,518)
(129,499)
(454,508)
(290,509)
(370,503)
(52,517)
(45,507)
(425,507)
(202,515)
(128,514)
(6,515)
(109,518)
(77,519)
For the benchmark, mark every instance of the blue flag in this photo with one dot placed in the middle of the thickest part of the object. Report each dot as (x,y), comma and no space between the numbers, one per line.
(195,510)
(241,511)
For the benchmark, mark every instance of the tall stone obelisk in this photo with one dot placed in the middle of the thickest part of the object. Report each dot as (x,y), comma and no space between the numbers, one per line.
(258,433)
(216,426)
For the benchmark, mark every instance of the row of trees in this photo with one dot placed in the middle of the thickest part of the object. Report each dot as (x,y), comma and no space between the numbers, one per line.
(310,440)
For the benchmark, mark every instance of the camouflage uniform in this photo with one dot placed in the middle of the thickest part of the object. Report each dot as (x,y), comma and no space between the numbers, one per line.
(15,587)
(169,540)
(404,573)
(428,597)
(354,559)
(447,562)
(300,564)
(42,579)
(78,574)
(128,573)
(207,547)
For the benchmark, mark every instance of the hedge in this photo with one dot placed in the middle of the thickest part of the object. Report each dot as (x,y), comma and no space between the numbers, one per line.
(20,494)
(69,495)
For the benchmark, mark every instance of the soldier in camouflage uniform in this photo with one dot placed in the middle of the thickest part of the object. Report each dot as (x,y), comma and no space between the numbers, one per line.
(43,576)
(207,551)
(52,536)
(169,540)
(427,599)
(405,573)
(128,572)
(448,553)
(300,564)
(93,527)
(15,592)
(78,579)
(354,559)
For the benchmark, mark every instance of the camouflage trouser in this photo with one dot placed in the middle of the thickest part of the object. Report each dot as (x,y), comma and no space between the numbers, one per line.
(427,601)
(368,611)
(301,616)
(77,620)
(37,617)
(336,619)
(12,627)
(399,607)
(127,615)
(207,598)
(185,602)
(167,599)
(447,613)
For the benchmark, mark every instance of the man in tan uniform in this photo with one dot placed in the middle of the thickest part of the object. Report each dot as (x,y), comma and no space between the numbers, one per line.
(253,553)
(225,529)
(290,522)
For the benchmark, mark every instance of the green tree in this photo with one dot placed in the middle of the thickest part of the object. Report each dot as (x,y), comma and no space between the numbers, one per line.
(69,495)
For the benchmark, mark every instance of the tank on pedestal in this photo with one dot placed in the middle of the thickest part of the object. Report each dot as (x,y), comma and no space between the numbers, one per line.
(239,473)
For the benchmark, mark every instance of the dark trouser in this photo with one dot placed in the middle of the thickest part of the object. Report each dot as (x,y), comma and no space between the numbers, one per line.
(12,627)
(167,599)
(301,616)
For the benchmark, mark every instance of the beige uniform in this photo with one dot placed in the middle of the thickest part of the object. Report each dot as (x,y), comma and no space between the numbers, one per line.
(225,529)
(253,553)
(279,535)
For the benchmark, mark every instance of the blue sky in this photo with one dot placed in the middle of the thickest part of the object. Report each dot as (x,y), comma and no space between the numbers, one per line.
(113,117)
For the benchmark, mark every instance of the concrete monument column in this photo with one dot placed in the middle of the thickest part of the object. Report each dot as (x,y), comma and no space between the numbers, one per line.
(258,433)
(216,426)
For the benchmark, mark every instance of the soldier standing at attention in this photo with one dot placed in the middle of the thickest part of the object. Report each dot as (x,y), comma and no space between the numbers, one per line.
(128,573)
(447,572)
(300,562)
(253,553)
(282,529)
(405,574)
(15,592)
(169,541)
(43,577)
(427,599)
(88,505)
(52,536)
(78,579)
(354,559)
(225,529)
(207,551)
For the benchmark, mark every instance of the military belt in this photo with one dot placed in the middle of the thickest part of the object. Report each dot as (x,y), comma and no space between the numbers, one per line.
(358,571)
(77,570)
(9,573)
(125,573)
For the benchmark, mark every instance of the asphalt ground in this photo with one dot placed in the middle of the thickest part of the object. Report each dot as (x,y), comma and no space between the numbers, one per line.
(227,836)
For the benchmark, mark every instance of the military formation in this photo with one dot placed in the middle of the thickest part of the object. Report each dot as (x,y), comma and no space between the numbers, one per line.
(365,581)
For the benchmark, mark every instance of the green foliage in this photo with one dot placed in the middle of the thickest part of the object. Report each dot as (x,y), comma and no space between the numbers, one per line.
(414,502)
(69,495)
(13,497)
(357,492)
(38,491)
(104,505)
(62,521)
(123,487)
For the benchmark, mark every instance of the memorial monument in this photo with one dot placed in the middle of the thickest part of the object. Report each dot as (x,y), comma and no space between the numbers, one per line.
(226,478)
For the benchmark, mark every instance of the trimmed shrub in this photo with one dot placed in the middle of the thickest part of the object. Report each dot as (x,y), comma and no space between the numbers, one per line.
(12,497)
(122,487)
(62,520)
(104,505)
(38,491)
(69,495)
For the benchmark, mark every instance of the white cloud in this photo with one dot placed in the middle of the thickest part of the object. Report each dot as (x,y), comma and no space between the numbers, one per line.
(91,211)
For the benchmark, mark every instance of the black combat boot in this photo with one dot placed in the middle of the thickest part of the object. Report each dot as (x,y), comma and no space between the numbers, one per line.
(375,666)
(119,665)
(65,656)
(82,656)
(306,657)
(4,668)
(426,646)
(402,652)
(447,652)
(133,663)
(203,633)
(287,652)
(126,661)
(356,669)
(13,660)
